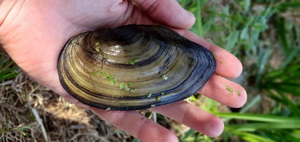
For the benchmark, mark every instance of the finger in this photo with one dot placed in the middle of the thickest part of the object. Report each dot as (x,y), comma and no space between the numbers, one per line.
(167,12)
(218,88)
(193,117)
(131,122)
(227,64)
(137,125)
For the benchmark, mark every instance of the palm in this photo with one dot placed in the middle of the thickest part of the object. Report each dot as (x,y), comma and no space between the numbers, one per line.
(52,27)
(38,33)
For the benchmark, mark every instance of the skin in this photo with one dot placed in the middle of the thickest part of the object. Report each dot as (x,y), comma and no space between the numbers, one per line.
(34,32)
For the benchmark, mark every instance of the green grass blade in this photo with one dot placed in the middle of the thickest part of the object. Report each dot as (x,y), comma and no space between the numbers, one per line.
(246,5)
(289,102)
(246,108)
(232,40)
(245,33)
(286,5)
(282,37)
(7,65)
(182,3)
(261,126)
(251,137)
(211,106)
(208,24)
(9,76)
(285,87)
(296,134)
(199,17)
(259,117)
(135,140)
(8,127)
(263,59)
(2,73)
(1,60)
(289,58)
(277,98)
(188,133)
(251,104)
(225,13)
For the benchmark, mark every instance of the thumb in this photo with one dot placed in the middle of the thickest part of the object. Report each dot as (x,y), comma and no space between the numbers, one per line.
(167,12)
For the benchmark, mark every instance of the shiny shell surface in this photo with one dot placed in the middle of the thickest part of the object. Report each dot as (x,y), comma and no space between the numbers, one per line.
(133,67)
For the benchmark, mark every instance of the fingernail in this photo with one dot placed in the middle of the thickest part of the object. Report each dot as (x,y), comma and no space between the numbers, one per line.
(189,12)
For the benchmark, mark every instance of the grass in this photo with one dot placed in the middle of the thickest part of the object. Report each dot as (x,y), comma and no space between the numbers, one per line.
(263,34)
(7,69)
(267,43)
(30,112)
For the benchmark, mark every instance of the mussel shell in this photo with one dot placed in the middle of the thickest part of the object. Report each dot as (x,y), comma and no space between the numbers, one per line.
(98,67)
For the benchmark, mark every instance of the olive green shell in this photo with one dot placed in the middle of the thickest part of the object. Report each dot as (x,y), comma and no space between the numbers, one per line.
(133,67)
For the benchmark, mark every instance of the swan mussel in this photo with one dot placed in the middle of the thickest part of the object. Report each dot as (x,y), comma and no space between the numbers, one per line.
(133,67)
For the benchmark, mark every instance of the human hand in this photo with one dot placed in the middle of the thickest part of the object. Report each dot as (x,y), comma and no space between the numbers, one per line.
(34,32)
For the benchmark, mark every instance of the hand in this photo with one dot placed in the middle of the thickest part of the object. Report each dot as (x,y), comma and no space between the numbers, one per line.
(34,32)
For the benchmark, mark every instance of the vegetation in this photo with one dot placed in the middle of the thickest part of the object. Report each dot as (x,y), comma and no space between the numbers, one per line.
(263,34)
(7,69)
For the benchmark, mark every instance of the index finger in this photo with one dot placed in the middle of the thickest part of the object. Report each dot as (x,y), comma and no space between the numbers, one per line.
(173,16)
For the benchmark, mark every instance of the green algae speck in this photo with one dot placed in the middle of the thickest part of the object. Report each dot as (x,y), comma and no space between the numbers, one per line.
(131,62)
(135,60)
(133,90)
(126,88)
(158,98)
(129,84)
(101,74)
(149,95)
(164,77)
(229,89)
(122,86)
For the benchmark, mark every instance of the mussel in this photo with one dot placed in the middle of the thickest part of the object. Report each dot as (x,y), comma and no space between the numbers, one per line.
(133,67)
